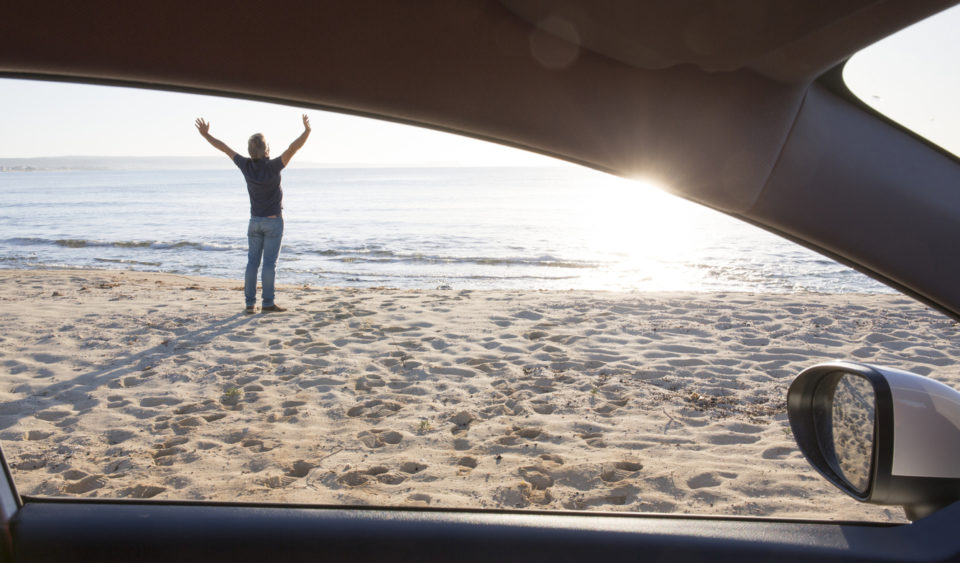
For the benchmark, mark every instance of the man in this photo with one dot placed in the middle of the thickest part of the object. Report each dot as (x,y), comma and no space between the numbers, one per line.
(262,175)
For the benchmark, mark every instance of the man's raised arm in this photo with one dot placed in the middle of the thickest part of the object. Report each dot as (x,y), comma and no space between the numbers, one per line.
(297,143)
(204,128)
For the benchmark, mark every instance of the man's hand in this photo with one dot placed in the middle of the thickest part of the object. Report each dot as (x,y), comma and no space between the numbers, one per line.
(203,127)
(297,143)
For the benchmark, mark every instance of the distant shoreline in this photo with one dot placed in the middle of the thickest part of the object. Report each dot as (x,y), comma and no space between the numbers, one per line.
(165,163)
(106,163)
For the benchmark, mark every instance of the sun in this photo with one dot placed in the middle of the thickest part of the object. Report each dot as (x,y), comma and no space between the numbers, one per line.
(642,232)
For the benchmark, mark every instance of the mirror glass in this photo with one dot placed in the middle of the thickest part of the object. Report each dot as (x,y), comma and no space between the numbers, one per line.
(853,420)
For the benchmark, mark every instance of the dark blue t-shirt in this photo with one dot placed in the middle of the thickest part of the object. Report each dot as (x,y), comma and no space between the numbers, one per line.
(263,184)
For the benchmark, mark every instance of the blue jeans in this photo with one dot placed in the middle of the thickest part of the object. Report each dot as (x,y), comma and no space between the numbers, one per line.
(263,238)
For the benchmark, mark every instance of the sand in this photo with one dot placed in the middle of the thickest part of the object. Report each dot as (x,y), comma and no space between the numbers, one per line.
(138,385)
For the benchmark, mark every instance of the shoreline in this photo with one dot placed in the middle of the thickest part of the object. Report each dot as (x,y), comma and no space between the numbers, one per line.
(141,385)
(236,282)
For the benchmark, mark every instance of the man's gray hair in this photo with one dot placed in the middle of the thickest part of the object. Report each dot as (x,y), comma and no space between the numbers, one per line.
(257,146)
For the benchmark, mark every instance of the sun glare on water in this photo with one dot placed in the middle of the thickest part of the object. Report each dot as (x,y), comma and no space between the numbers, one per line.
(645,233)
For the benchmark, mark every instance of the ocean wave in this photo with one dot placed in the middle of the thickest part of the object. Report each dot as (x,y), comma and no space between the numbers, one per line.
(126,244)
(128,262)
(357,276)
(830,278)
(376,256)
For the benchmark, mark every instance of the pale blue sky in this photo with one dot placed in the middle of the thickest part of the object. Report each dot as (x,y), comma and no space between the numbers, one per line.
(914,77)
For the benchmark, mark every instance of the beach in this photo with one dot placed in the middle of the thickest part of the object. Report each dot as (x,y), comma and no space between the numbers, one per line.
(122,384)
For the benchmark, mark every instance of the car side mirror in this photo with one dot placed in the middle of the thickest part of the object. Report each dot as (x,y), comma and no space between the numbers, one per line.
(881,435)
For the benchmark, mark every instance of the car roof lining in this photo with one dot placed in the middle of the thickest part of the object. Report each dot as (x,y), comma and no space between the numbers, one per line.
(717,36)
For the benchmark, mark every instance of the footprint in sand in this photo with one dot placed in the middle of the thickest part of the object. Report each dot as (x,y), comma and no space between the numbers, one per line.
(609,407)
(458,372)
(256,445)
(353,478)
(116,401)
(194,407)
(703,480)
(245,379)
(378,438)
(119,466)
(277,481)
(319,348)
(374,409)
(178,441)
(535,335)
(461,421)
(51,415)
(508,408)
(593,439)
(131,381)
(529,315)
(538,477)
(321,383)
(300,468)
(159,401)
(141,491)
(617,497)
(778,452)
(234,437)
(534,495)
(85,485)
(732,439)
(530,433)
(467,462)
(412,467)
(167,451)
(419,498)
(380,473)
(514,497)
(542,407)
(186,424)
(30,462)
(166,456)
(527,433)
(552,458)
(665,484)
(368,382)
(619,470)
(117,436)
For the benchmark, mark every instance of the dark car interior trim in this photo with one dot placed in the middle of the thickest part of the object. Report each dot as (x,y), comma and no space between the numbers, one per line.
(91,531)
(636,93)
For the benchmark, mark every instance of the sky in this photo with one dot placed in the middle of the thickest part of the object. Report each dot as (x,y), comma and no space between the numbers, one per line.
(60,119)
(914,77)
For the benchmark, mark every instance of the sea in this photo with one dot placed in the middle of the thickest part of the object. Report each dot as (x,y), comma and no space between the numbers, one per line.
(533,228)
